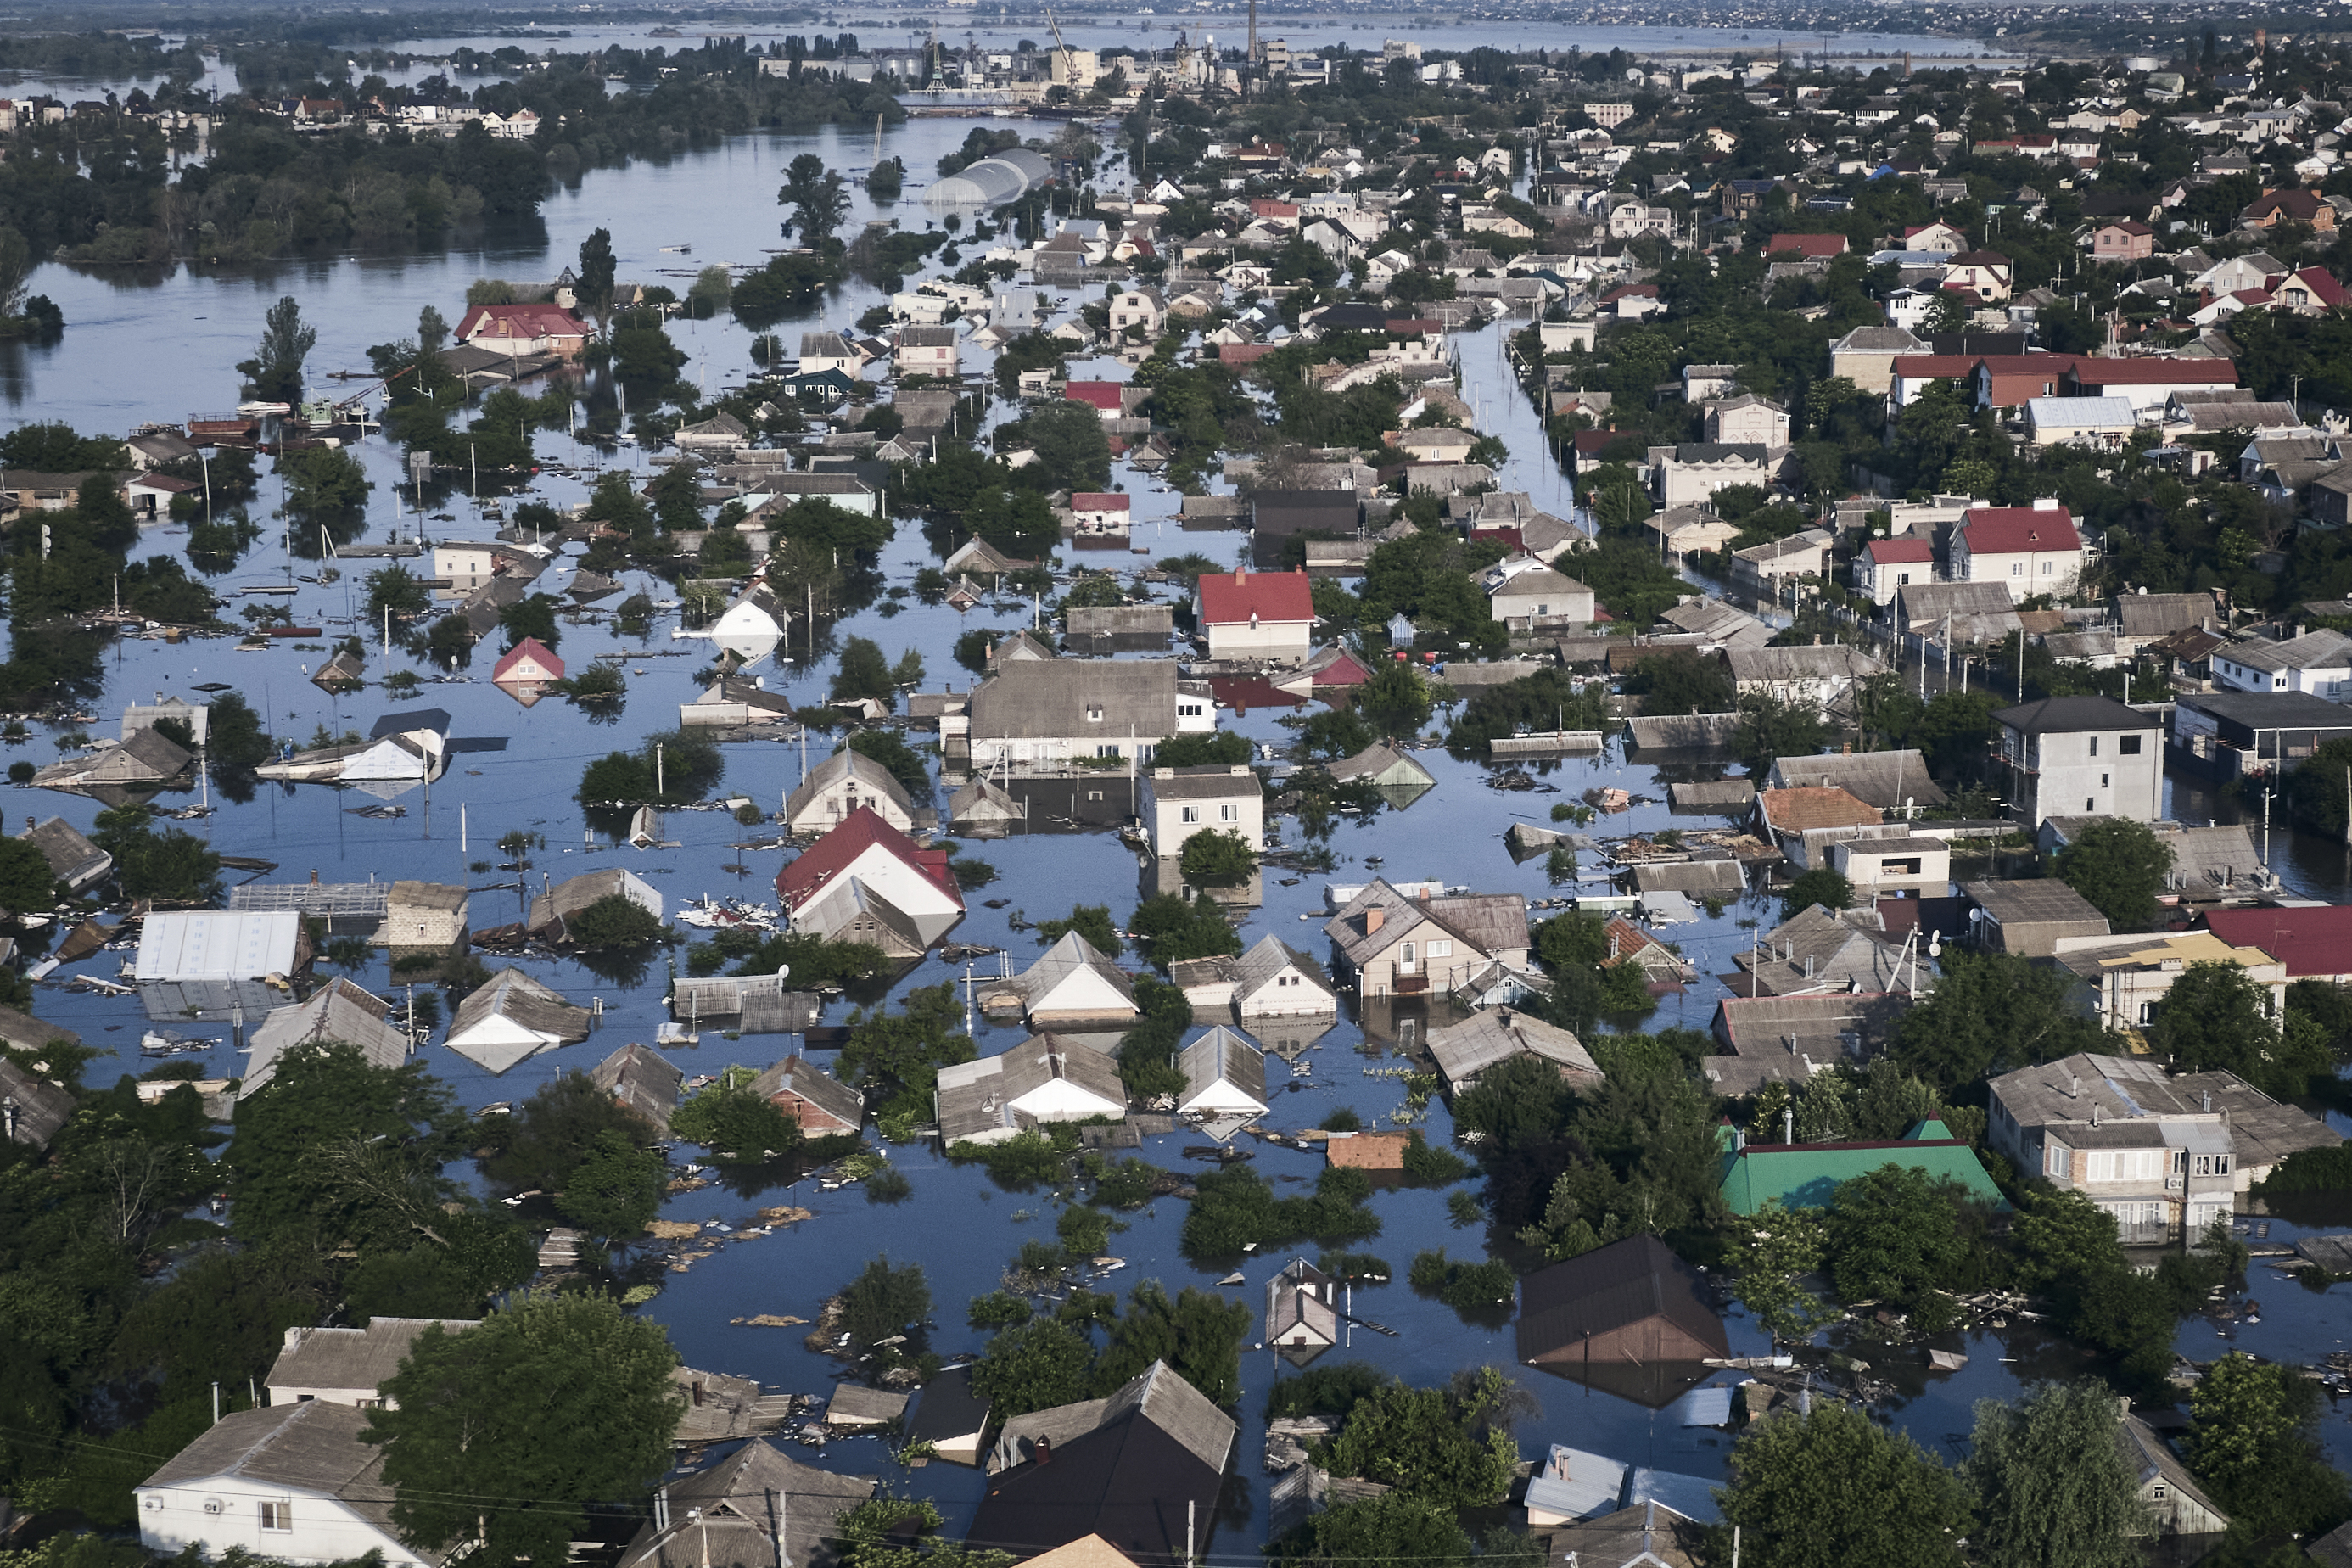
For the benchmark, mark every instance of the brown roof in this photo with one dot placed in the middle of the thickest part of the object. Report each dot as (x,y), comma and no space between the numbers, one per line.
(1369,1150)
(1797,810)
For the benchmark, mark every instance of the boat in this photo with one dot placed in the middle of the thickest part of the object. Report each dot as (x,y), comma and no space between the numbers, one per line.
(256,410)
(677,1035)
(162,1043)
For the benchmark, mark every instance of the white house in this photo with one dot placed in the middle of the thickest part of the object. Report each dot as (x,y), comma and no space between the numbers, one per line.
(2102,422)
(1275,980)
(928,350)
(1101,511)
(1883,565)
(1224,1075)
(1043,1079)
(511,1017)
(1251,615)
(841,783)
(1072,983)
(2316,662)
(822,351)
(1141,309)
(347,1366)
(1177,803)
(1526,590)
(2032,549)
(291,1483)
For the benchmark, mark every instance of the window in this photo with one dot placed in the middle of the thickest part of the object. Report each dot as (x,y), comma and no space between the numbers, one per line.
(278,1515)
(2094,745)
(1188,710)
(1109,750)
(1094,713)
(1190,814)
(2057,1161)
(2127,745)
(1909,868)
(2047,567)
(1441,948)
(1229,814)
(1905,577)
(2103,781)
(2089,803)
(2017,568)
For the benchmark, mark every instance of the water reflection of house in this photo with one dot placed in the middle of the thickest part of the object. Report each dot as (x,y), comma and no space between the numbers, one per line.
(509,1018)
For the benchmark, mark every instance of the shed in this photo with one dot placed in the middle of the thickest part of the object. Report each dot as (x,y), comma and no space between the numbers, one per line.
(1224,1075)
(511,1017)
(73,859)
(220,945)
(2030,917)
(1630,1318)
(423,915)
(643,1080)
(950,1417)
(855,1406)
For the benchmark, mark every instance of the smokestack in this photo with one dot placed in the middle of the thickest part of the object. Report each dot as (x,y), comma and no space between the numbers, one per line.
(1787,1124)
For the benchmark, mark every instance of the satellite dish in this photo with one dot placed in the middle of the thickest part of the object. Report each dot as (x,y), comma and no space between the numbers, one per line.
(1936,945)
(1975,915)
(783,971)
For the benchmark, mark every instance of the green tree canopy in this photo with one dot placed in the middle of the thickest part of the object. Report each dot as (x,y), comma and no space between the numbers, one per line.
(2254,1441)
(2118,866)
(1833,1489)
(1990,1012)
(1451,1447)
(2051,1483)
(506,1431)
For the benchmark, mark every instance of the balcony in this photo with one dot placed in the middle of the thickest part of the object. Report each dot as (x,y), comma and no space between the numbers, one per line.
(1408,984)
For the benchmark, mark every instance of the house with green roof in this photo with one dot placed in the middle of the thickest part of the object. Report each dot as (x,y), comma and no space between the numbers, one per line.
(1807,1176)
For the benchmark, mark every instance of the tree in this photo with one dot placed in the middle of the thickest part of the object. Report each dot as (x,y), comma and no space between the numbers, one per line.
(1091,921)
(324,486)
(1990,1012)
(1034,1365)
(821,212)
(395,590)
(889,748)
(2118,866)
(1781,1247)
(16,266)
(1450,1446)
(593,281)
(1821,886)
(882,1301)
(1199,1334)
(2254,1440)
(173,864)
(1217,858)
(1393,1527)
(274,373)
(1893,1237)
(863,672)
(1770,729)
(432,332)
(1173,929)
(547,1136)
(507,1432)
(617,1190)
(1681,680)
(26,884)
(615,921)
(735,1125)
(1395,700)
(2051,1482)
(1833,1487)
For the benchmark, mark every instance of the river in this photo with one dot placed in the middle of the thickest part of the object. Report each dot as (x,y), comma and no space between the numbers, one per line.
(159,350)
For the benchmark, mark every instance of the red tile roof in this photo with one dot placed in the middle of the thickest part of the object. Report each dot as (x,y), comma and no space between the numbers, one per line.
(835,852)
(1915,367)
(529,648)
(2019,529)
(1097,500)
(2323,286)
(1795,810)
(1100,394)
(2314,941)
(1806,245)
(1887,551)
(1230,600)
(2153,372)
(520,322)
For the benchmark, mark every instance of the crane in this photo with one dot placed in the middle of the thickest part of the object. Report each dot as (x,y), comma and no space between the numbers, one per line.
(1069,57)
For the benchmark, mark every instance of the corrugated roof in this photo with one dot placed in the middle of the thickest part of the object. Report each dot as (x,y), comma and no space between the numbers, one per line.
(1464,1051)
(41,1107)
(1807,1176)
(799,1076)
(340,1011)
(643,1080)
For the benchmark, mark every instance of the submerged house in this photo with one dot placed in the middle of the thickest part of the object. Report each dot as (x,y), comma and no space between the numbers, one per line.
(144,761)
(867,881)
(643,1080)
(1072,983)
(553,910)
(340,1013)
(757,1508)
(1807,1176)
(76,862)
(511,1017)
(1302,1312)
(1043,1079)
(823,1104)
(1630,1318)
(1224,1075)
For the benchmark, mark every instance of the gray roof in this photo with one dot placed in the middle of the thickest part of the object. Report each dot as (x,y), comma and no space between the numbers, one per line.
(1376,760)
(1828,661)
(358,1361)
(311,1448)
(1030,698)
(2087,1090)
(1120,620)
(1221,1055)
(1695,731)
(1702,876)
(566,898)
(643,1080)
(1818,949)
(1156,1394)
(1214,780)
(1978,612)
(73,859)
(799,1076)
(1717,622)
(42,1107)
(2148,1459)
(516,997)
(846,763)
(339,1010)
(976,1098)
(1267,957)
(2271,709)
(2074,716)
(856,1401)
(2312,650)
(757,1508)
(1727,795)
(1066,958)
(1878,341)
(2032,901)
(1491,923)
(1886,780)
(30,1033)
(1462,1051)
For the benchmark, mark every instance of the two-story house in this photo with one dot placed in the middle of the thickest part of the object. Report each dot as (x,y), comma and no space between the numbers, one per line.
(1251,615)
(2033,549)
(2090,756)
(1389,944)
(1050,711)
(1177,803)
(1883,565)
(1747,420)
(2160,1153)
(928,350)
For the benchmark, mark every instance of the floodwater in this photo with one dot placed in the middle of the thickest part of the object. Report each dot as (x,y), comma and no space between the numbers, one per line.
(159,350)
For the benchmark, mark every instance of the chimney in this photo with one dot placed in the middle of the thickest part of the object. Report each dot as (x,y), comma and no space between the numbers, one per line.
(1241,574)
(2209,1102)
(2074,1085)
(1044,1455)
(1787,1124)
(1373,918)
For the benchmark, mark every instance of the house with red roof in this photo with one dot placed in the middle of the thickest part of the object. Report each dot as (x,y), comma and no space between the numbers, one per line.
(523,330)
(1102,397)
(867,881)
(1100,511)
(1883,565)
(2012,380)
(2148,382)
(528,662)
(2314,942)
(1264,615)
(2312,291)
(2273,207)
(2032,549)
(1806,247)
